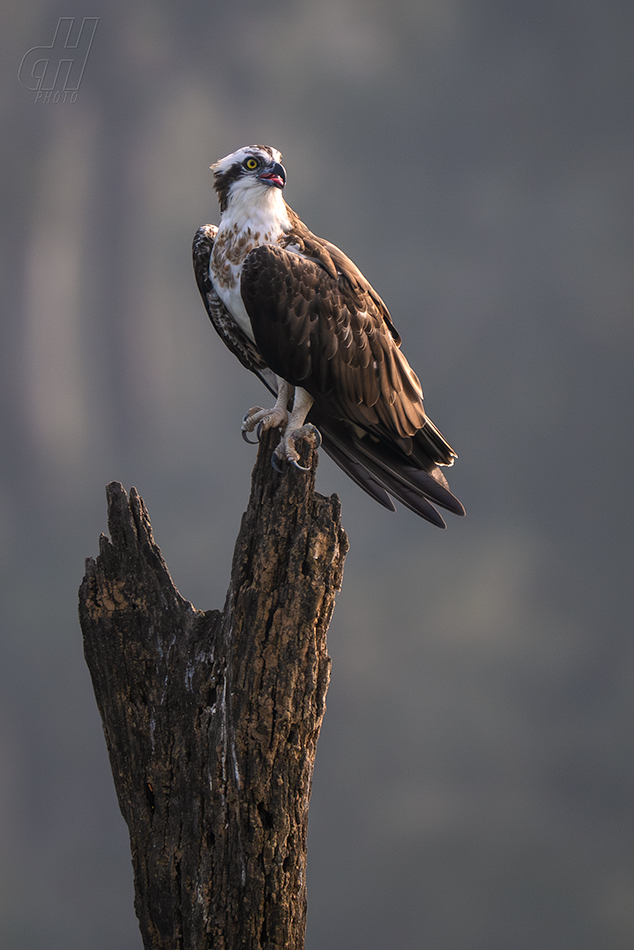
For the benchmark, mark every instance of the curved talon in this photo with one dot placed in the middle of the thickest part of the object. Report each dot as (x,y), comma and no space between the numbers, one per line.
(275,465)
(247,439)
(258,431)
(299,467)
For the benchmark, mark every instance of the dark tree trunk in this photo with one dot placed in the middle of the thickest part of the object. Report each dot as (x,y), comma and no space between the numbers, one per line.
(212,719)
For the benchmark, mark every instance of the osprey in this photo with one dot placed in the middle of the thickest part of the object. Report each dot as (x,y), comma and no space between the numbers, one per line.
(300,315)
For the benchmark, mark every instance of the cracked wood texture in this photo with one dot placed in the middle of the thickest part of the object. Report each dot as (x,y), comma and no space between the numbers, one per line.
(212,718)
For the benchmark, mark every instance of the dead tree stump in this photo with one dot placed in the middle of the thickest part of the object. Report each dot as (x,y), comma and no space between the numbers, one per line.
(212,718)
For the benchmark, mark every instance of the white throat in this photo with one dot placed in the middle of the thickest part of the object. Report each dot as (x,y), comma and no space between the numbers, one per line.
(258,207)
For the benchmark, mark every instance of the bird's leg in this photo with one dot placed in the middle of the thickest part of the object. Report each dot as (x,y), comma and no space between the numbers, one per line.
(269,418)
(295,429)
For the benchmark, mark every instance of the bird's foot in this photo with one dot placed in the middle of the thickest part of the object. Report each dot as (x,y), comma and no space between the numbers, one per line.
(261,420)
(286,451)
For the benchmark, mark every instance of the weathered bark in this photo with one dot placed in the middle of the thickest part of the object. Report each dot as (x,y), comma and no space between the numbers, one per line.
(211,719)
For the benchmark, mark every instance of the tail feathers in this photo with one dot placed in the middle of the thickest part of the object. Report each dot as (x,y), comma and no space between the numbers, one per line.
(430,444)
(381,471)
(414,487)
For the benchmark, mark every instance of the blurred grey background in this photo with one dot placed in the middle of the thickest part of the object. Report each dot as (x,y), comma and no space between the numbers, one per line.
(474,779)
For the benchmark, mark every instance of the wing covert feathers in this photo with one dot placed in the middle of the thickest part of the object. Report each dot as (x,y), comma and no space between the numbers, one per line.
(334,340)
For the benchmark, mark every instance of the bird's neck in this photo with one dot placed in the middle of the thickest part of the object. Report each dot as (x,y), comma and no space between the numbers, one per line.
(262,216)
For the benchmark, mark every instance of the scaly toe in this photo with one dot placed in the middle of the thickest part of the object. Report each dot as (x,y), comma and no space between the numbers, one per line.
(286,450)
(252,417)
(249,421)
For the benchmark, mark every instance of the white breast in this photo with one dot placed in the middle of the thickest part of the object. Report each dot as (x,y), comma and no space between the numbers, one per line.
(256,215)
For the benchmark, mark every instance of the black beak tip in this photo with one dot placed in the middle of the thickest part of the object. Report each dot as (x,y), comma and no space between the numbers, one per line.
(280,171)
(274,174)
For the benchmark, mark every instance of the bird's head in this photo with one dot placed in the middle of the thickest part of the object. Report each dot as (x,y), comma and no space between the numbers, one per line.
(250,172)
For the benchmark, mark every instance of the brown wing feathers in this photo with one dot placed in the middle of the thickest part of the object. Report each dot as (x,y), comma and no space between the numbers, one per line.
(318,333)
(319,325)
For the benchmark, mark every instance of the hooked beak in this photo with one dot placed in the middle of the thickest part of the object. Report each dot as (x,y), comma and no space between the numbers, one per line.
(274,174)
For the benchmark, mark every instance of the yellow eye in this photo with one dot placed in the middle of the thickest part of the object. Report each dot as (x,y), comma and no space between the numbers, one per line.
(251,164)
